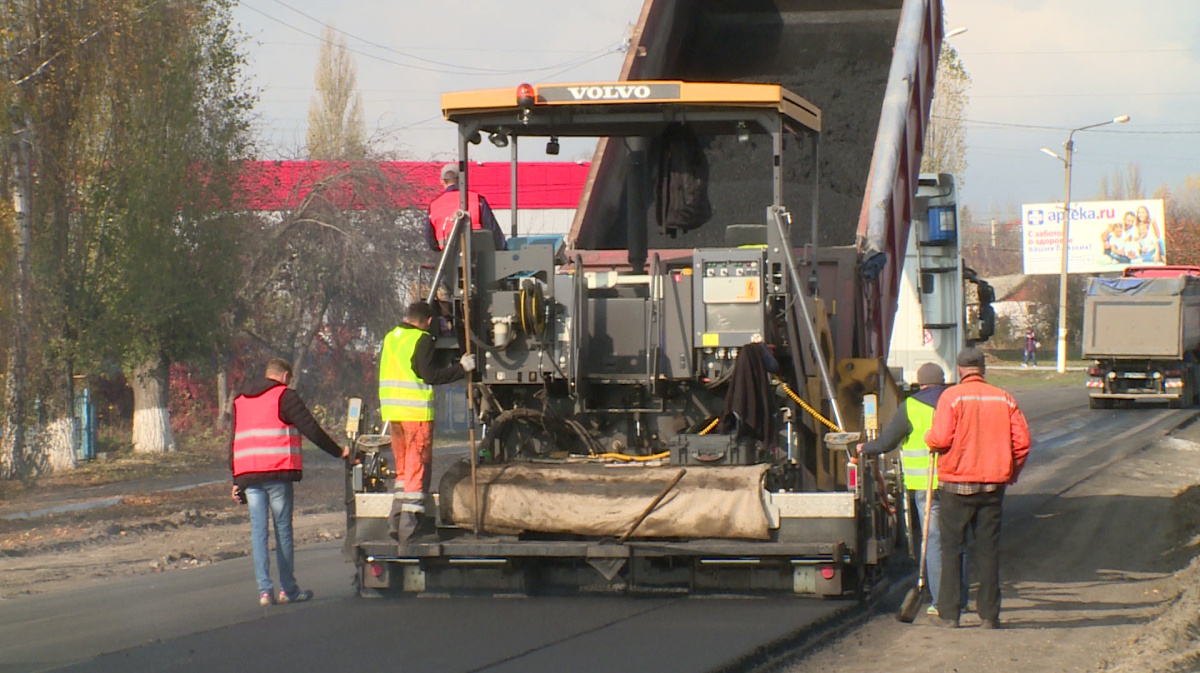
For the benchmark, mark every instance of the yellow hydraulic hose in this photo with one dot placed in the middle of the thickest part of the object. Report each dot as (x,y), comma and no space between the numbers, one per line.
(636,459)
(710,426)
(805,406)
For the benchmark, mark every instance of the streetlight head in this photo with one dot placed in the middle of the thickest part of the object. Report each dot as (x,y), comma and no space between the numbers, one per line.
(955,32)
(1121,120)
(1049,151)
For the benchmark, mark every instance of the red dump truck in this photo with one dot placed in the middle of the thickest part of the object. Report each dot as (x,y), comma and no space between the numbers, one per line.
(1143,330)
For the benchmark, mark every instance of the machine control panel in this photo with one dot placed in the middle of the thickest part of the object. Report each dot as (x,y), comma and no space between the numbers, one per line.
(735,269)
(729,299)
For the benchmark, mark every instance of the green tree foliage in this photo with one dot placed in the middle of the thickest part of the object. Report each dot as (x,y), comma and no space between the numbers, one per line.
(137,114)
(336,131)
(946,140)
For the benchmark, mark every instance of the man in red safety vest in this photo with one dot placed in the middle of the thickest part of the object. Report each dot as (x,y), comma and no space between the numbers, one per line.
(443,208)
(268,419)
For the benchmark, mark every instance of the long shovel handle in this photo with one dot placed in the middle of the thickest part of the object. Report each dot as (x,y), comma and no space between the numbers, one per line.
(653,504)
(928,513)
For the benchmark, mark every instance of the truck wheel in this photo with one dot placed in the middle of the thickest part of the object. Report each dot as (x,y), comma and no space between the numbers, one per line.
(1183,401)
(1098,403)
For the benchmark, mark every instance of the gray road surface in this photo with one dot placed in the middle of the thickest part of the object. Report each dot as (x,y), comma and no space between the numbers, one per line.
(207,619)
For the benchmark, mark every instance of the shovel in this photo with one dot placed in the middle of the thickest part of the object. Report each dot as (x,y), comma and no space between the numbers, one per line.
(912,601)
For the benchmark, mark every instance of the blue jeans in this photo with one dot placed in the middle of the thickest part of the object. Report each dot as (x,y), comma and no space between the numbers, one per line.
(275,497)
(1031,356)
(933,554)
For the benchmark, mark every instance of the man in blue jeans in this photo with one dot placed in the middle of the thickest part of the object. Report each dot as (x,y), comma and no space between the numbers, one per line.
(268,419)
(907,431)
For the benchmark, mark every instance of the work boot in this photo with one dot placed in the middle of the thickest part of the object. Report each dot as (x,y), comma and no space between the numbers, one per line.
(394,520)
(402,526)
(943,623)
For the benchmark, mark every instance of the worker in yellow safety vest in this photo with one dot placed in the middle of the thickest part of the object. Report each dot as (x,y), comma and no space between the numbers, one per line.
(907,430)
(407,376)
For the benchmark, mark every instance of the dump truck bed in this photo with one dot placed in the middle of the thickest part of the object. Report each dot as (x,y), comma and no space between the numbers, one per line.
(867,64)
(1145,318)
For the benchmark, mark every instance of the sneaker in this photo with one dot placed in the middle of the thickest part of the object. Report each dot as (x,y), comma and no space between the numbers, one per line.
(265,598)
(931,610)
(298,597)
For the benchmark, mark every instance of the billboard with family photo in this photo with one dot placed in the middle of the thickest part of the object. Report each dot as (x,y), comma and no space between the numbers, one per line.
(1105,236)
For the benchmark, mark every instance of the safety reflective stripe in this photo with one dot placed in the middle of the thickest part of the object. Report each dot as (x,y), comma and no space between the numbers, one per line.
(403,396)
(416,404)
(415,385)
(985,398)
(914,453)
(280,432)
(268,451)
(412,501)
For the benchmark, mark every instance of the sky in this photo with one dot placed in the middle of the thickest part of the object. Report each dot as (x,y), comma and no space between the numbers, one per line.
(1039,69)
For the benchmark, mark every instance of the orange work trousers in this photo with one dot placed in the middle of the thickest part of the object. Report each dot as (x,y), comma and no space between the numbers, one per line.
(412,449)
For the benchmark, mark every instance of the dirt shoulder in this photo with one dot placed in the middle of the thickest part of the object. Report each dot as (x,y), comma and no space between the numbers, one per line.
(1102,578)
(175,515)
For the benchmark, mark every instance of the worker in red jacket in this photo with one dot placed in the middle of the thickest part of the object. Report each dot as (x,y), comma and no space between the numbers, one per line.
(443,208)
(268,419)
(983,439)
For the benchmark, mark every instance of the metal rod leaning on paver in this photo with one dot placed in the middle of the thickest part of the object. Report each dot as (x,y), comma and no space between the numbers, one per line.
(460,218)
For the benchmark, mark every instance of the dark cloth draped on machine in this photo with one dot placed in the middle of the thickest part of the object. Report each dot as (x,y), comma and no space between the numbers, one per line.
(748,404)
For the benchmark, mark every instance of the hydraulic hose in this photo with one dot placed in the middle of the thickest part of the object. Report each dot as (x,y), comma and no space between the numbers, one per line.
(807,407)
(633,459)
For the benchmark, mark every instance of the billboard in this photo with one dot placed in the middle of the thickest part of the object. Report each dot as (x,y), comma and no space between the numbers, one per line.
(1105,236)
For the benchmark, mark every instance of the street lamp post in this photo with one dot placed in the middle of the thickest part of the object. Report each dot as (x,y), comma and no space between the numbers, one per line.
(1069,146)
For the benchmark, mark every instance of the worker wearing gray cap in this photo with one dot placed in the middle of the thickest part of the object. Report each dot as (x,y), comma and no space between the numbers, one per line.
(982,439)
(443,208)
(907,431)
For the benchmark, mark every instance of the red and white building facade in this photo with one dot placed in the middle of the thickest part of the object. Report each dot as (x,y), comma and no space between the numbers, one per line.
(548,191)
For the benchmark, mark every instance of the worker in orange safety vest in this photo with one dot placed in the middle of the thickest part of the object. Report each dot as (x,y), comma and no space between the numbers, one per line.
(443,208)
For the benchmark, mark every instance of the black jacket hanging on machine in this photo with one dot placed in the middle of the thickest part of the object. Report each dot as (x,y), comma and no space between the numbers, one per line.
(681,194)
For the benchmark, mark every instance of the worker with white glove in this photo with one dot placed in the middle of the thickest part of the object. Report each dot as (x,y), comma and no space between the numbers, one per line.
(407,376)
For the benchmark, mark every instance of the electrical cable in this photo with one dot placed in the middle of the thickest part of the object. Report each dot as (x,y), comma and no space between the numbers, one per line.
(455,69)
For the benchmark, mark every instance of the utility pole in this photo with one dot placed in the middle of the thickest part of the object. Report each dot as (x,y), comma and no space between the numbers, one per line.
(1069,146)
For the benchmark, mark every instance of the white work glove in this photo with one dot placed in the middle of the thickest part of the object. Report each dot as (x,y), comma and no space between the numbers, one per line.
(467,362)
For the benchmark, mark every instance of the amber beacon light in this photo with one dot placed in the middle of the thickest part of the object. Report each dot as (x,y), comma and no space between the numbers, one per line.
(526,96)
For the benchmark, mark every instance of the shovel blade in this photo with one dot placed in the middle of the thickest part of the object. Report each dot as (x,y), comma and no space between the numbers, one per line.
(910,606)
